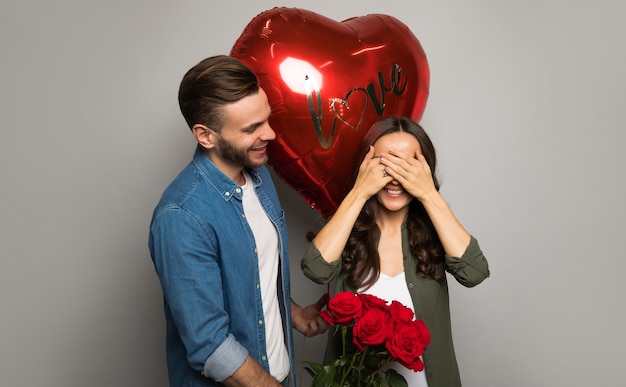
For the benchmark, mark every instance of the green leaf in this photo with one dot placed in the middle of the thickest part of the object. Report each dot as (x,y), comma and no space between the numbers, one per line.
(312,368)
(325,377)
(394,379)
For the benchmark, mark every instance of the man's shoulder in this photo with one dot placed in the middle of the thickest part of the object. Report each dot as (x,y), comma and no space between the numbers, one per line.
(183,188)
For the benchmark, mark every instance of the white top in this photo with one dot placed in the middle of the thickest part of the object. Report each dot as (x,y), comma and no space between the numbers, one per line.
(395,289)
(267,244)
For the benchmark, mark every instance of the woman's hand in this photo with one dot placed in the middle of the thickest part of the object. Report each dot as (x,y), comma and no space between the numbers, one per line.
(371,177)
(415,176)
(411,171)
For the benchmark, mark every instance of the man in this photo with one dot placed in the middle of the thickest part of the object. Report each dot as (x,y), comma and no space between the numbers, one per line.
(218,240)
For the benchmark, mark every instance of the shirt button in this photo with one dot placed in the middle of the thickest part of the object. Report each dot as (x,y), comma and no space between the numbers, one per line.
(264,358)
(260,322)
(410,285)
(227,193)
(258,286)
(243,216)
(255,250)
(238,190)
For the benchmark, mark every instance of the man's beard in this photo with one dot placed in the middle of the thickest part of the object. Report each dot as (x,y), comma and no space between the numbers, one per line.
(235,155)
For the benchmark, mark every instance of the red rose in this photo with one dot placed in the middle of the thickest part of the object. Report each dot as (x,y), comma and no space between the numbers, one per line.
(325,314)
(372,328)
(400,313)
(345,307)
(407,344)
(370,301)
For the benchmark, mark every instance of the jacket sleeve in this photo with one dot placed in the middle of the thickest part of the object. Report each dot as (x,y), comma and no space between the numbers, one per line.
(316,268)
(188,268)
(472,268)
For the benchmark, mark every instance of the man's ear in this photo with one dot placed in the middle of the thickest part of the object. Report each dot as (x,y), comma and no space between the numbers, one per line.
(205,136)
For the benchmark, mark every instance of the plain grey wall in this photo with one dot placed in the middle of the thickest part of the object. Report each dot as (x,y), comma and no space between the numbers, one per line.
(526,109)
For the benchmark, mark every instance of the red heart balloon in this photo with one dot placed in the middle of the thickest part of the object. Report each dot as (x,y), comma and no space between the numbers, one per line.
(327,82)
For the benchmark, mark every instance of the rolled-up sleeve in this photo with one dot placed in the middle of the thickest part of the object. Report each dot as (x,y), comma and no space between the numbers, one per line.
(225,360)
(472,268)
(316,268)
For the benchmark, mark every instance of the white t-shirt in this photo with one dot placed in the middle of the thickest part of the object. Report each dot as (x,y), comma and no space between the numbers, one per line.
(267,243)
(395,289)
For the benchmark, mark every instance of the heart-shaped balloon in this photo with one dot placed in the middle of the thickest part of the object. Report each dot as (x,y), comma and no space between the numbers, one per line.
(327,82)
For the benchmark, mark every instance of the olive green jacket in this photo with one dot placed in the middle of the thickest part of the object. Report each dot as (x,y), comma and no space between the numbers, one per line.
(430,300)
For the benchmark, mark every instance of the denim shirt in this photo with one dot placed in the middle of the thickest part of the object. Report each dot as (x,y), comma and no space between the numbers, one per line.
(205,256)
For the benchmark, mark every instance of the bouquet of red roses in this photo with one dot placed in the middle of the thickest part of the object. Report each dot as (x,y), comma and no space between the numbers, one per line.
(380,333)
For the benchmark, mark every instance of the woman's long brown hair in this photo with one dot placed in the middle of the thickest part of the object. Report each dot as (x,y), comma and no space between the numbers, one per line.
(360,258)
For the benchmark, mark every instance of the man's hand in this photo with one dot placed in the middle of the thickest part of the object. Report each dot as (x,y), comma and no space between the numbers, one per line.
(251,374)
(307,320)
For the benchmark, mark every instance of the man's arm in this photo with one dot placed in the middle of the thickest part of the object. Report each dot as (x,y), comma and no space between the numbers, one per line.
(190,276)
(251,374)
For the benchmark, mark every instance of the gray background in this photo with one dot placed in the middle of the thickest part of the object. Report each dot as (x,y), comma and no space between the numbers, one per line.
(526,109)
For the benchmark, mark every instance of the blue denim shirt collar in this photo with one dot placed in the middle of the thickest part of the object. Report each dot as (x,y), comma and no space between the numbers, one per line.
(223,184)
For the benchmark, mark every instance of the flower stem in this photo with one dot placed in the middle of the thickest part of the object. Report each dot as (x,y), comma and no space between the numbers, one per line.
(347,371)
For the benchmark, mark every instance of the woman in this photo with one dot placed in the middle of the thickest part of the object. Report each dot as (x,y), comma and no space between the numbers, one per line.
(395,237)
